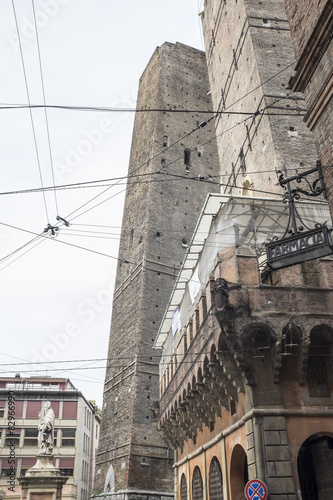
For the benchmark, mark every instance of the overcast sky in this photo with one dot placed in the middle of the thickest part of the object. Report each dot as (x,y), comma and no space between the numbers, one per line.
(56,298)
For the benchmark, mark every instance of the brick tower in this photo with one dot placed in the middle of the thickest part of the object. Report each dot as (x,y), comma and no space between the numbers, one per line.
(163,200)
(260,128)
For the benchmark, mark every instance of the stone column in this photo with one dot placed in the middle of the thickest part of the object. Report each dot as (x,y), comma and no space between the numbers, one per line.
(43,481)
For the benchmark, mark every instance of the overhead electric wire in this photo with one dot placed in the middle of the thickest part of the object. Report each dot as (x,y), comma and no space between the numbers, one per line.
(163,151)
(126,110)
(44,100)
(30,111)
(79,185)
(253,350)
(167,165)
(46,368)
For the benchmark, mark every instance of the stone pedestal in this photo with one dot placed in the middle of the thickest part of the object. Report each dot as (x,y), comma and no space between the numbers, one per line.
(43,481)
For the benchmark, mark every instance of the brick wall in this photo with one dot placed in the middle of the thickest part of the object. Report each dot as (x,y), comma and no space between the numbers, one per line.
(311,24)
(303,16)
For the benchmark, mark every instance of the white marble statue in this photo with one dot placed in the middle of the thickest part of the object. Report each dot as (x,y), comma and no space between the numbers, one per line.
(46,429)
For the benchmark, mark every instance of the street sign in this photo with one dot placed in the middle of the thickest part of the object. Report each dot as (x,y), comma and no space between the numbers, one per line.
(299,248)
(256,490)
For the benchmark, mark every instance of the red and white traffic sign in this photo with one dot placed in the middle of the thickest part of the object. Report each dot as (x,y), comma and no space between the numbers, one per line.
(256,490)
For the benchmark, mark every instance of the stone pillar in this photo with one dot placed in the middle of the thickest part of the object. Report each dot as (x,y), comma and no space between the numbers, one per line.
(280,480)
(43,481)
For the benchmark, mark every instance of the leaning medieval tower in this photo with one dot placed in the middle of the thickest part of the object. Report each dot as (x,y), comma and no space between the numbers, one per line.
(173,165)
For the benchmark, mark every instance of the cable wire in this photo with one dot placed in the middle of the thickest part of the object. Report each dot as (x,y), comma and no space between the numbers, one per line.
(44,100)
(30,110)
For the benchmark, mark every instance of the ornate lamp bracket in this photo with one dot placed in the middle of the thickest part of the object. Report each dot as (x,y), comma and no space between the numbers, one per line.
(314,188)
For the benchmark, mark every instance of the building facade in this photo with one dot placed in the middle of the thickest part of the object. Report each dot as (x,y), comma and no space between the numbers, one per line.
(311,25)
(173,165)
(246,375)
(74,433)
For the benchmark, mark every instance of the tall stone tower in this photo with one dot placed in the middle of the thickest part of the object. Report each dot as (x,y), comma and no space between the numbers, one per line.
(260,128)
(171,151)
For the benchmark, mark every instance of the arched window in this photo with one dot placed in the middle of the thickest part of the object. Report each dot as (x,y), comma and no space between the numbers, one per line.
(314,464)
(238,472)
(212,354)
(215,480)
(317,375)
(197,488)
(183,488)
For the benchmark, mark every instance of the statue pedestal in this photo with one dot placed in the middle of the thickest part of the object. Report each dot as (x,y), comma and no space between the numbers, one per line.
(43,481)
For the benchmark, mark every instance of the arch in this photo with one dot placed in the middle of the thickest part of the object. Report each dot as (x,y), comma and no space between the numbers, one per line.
(318,369)
(222,345)
(238,472)
(183,488)
(215,480)
(197,486)
(193,382)
(180,400)
(184,395)
(109,481)
(206,363)
(314,466)
(199,375)
(292,358)
(212,354)
(259,338)
(291,338)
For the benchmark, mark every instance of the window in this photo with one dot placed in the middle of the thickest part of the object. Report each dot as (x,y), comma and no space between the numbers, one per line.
(67,472)
(19,409)
(165,141)
(242,160)
(56,408)
(197,488)
(66,466)
(68,437)
(187,157)
(317,375)
(26,463)
(13,437)
(130,241)
(5,471)
(69,410)
(55,437)
(30,438)
(215,480)
(2,408)
(183,488)
(33,408)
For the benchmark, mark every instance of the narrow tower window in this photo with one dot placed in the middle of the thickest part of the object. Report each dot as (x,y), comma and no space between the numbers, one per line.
(187,157)
(130,243)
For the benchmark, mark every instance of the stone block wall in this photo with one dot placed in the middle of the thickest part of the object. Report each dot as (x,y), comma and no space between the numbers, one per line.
(250,60)
(163,199)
